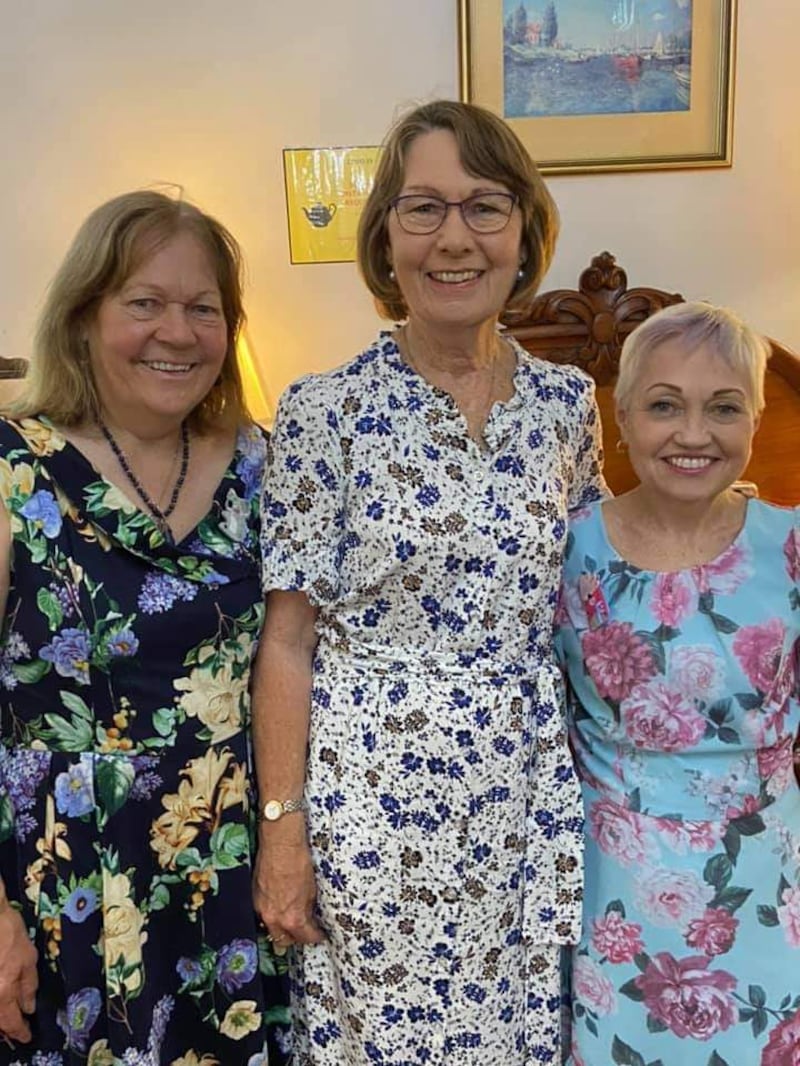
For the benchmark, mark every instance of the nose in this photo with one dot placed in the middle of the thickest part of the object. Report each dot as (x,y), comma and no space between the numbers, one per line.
(175,325)
(454,233)
(693,431)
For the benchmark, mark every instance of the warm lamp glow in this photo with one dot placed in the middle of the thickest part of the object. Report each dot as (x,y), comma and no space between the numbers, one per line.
(256,394)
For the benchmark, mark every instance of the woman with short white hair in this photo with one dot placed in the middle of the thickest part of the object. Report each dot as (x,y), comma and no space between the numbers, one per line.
(680,629)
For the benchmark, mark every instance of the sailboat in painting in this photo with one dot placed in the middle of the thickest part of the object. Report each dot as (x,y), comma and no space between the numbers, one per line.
(627,59)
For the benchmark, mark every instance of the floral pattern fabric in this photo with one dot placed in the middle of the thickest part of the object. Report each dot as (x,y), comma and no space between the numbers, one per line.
(685,706)
(126,819)
(444,812)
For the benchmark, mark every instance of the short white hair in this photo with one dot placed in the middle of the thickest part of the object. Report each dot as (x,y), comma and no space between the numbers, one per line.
(694,324)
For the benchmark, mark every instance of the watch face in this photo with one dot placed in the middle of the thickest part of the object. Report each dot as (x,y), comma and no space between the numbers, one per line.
(273,810)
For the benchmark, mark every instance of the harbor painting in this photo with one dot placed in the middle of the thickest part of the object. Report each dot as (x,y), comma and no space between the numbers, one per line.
(596,57)
(602,85)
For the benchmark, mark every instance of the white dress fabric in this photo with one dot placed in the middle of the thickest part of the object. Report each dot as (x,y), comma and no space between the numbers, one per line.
(444,813)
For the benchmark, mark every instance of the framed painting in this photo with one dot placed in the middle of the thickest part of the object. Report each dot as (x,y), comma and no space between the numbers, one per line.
(602,85)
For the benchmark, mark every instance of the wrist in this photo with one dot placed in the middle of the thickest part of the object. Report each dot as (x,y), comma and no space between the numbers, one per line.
(274,810)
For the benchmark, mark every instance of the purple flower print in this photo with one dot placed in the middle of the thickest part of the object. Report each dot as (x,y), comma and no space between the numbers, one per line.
(160,591)
(80,904)
(80,1014)
(123,644)
(42,510)
(236,965)
(68,651)
(74,789)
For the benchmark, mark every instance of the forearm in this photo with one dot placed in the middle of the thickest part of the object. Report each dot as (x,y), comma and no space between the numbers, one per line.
(281,709)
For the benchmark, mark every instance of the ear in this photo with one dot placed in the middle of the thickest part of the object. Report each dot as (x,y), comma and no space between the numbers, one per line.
(757,422)
(621,417)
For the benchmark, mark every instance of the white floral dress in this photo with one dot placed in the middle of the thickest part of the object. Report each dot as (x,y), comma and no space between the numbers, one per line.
(444,812)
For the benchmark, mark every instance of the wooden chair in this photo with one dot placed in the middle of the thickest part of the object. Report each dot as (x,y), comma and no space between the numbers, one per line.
(587,326)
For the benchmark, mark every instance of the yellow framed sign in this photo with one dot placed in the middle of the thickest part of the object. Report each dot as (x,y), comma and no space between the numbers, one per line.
(325,192)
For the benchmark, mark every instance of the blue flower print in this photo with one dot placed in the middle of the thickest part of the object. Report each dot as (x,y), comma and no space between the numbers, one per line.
(190,971)
(236,965)
(160,592)
(80,903)
(74,789)
(68,651)
(123,645)
(77,1019)
(42,510)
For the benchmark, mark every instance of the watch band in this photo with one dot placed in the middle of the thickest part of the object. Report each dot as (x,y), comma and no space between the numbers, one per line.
(275,809)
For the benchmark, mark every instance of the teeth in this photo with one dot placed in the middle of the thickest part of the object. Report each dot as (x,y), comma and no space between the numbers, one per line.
(686,463)
(171,368)
(452,277)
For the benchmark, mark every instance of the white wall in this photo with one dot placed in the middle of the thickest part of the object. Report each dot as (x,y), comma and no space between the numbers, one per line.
(99,96)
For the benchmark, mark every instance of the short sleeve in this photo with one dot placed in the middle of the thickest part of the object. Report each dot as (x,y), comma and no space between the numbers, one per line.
(302,507)
(588,484)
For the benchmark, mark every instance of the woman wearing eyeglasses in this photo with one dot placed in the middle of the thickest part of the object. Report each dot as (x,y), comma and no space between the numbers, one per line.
(425,856)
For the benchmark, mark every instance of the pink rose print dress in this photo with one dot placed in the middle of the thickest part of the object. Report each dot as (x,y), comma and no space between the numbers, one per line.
(683,710)
(444,810)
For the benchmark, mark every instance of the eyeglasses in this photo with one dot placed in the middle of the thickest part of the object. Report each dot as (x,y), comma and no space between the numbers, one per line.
(486,212)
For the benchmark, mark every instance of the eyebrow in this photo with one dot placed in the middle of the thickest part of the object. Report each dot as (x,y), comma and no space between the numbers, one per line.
(678,392)
(430,190)
(148,286)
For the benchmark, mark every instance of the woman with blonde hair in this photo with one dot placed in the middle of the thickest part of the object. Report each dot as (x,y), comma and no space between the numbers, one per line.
(680,631)
(129,573)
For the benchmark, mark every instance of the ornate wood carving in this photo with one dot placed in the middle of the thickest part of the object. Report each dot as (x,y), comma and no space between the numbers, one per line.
(587,327)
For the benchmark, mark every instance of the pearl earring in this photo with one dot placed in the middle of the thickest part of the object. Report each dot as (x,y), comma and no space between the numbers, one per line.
(391,274)
(520,274)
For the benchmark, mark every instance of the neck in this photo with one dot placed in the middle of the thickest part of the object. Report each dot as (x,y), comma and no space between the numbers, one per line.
(452,351)
(685,519)
(148,432)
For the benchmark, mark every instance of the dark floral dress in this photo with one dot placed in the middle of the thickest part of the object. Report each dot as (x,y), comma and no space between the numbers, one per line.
(126,814)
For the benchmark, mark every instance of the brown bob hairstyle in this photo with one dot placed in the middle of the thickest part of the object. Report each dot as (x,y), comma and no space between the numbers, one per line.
(488,149)
(112,243)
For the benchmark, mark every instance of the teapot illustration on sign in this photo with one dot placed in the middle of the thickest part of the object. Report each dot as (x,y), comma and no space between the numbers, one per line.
(319,215)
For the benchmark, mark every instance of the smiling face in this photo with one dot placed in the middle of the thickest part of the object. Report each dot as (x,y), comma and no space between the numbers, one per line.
(453,278)
(689,423)
(157,345)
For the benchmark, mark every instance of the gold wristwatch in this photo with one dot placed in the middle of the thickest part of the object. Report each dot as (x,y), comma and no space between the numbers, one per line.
(275,809)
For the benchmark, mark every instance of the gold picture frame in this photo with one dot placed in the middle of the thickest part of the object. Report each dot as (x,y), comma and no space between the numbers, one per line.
(698,133)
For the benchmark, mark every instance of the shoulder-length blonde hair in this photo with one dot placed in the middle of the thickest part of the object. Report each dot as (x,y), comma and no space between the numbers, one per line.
(488,148)
(110,245)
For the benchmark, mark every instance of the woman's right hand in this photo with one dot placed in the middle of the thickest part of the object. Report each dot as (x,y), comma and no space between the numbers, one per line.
(18,978)
(285,890)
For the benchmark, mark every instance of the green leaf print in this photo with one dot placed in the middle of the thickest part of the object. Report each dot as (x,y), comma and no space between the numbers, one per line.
(624,1055)
(6,818)
(114,780)
(632,991)
(717,1060)
(30,673)
(229,842)
(72,735)
(718,871)
(731,898)
(50,607)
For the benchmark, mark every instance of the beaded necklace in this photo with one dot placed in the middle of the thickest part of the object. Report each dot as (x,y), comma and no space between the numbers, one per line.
(160,517)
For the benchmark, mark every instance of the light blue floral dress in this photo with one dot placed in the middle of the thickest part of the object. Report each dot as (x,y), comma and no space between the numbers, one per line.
(685,707)
(444,811)
(126,816)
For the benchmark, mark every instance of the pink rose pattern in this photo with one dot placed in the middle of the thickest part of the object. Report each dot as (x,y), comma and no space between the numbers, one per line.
(714,932)
(616,659)
(674,598)
(689,998)
(661,718)
(616,939)
(683,964)
(783,1046)
(697,671)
